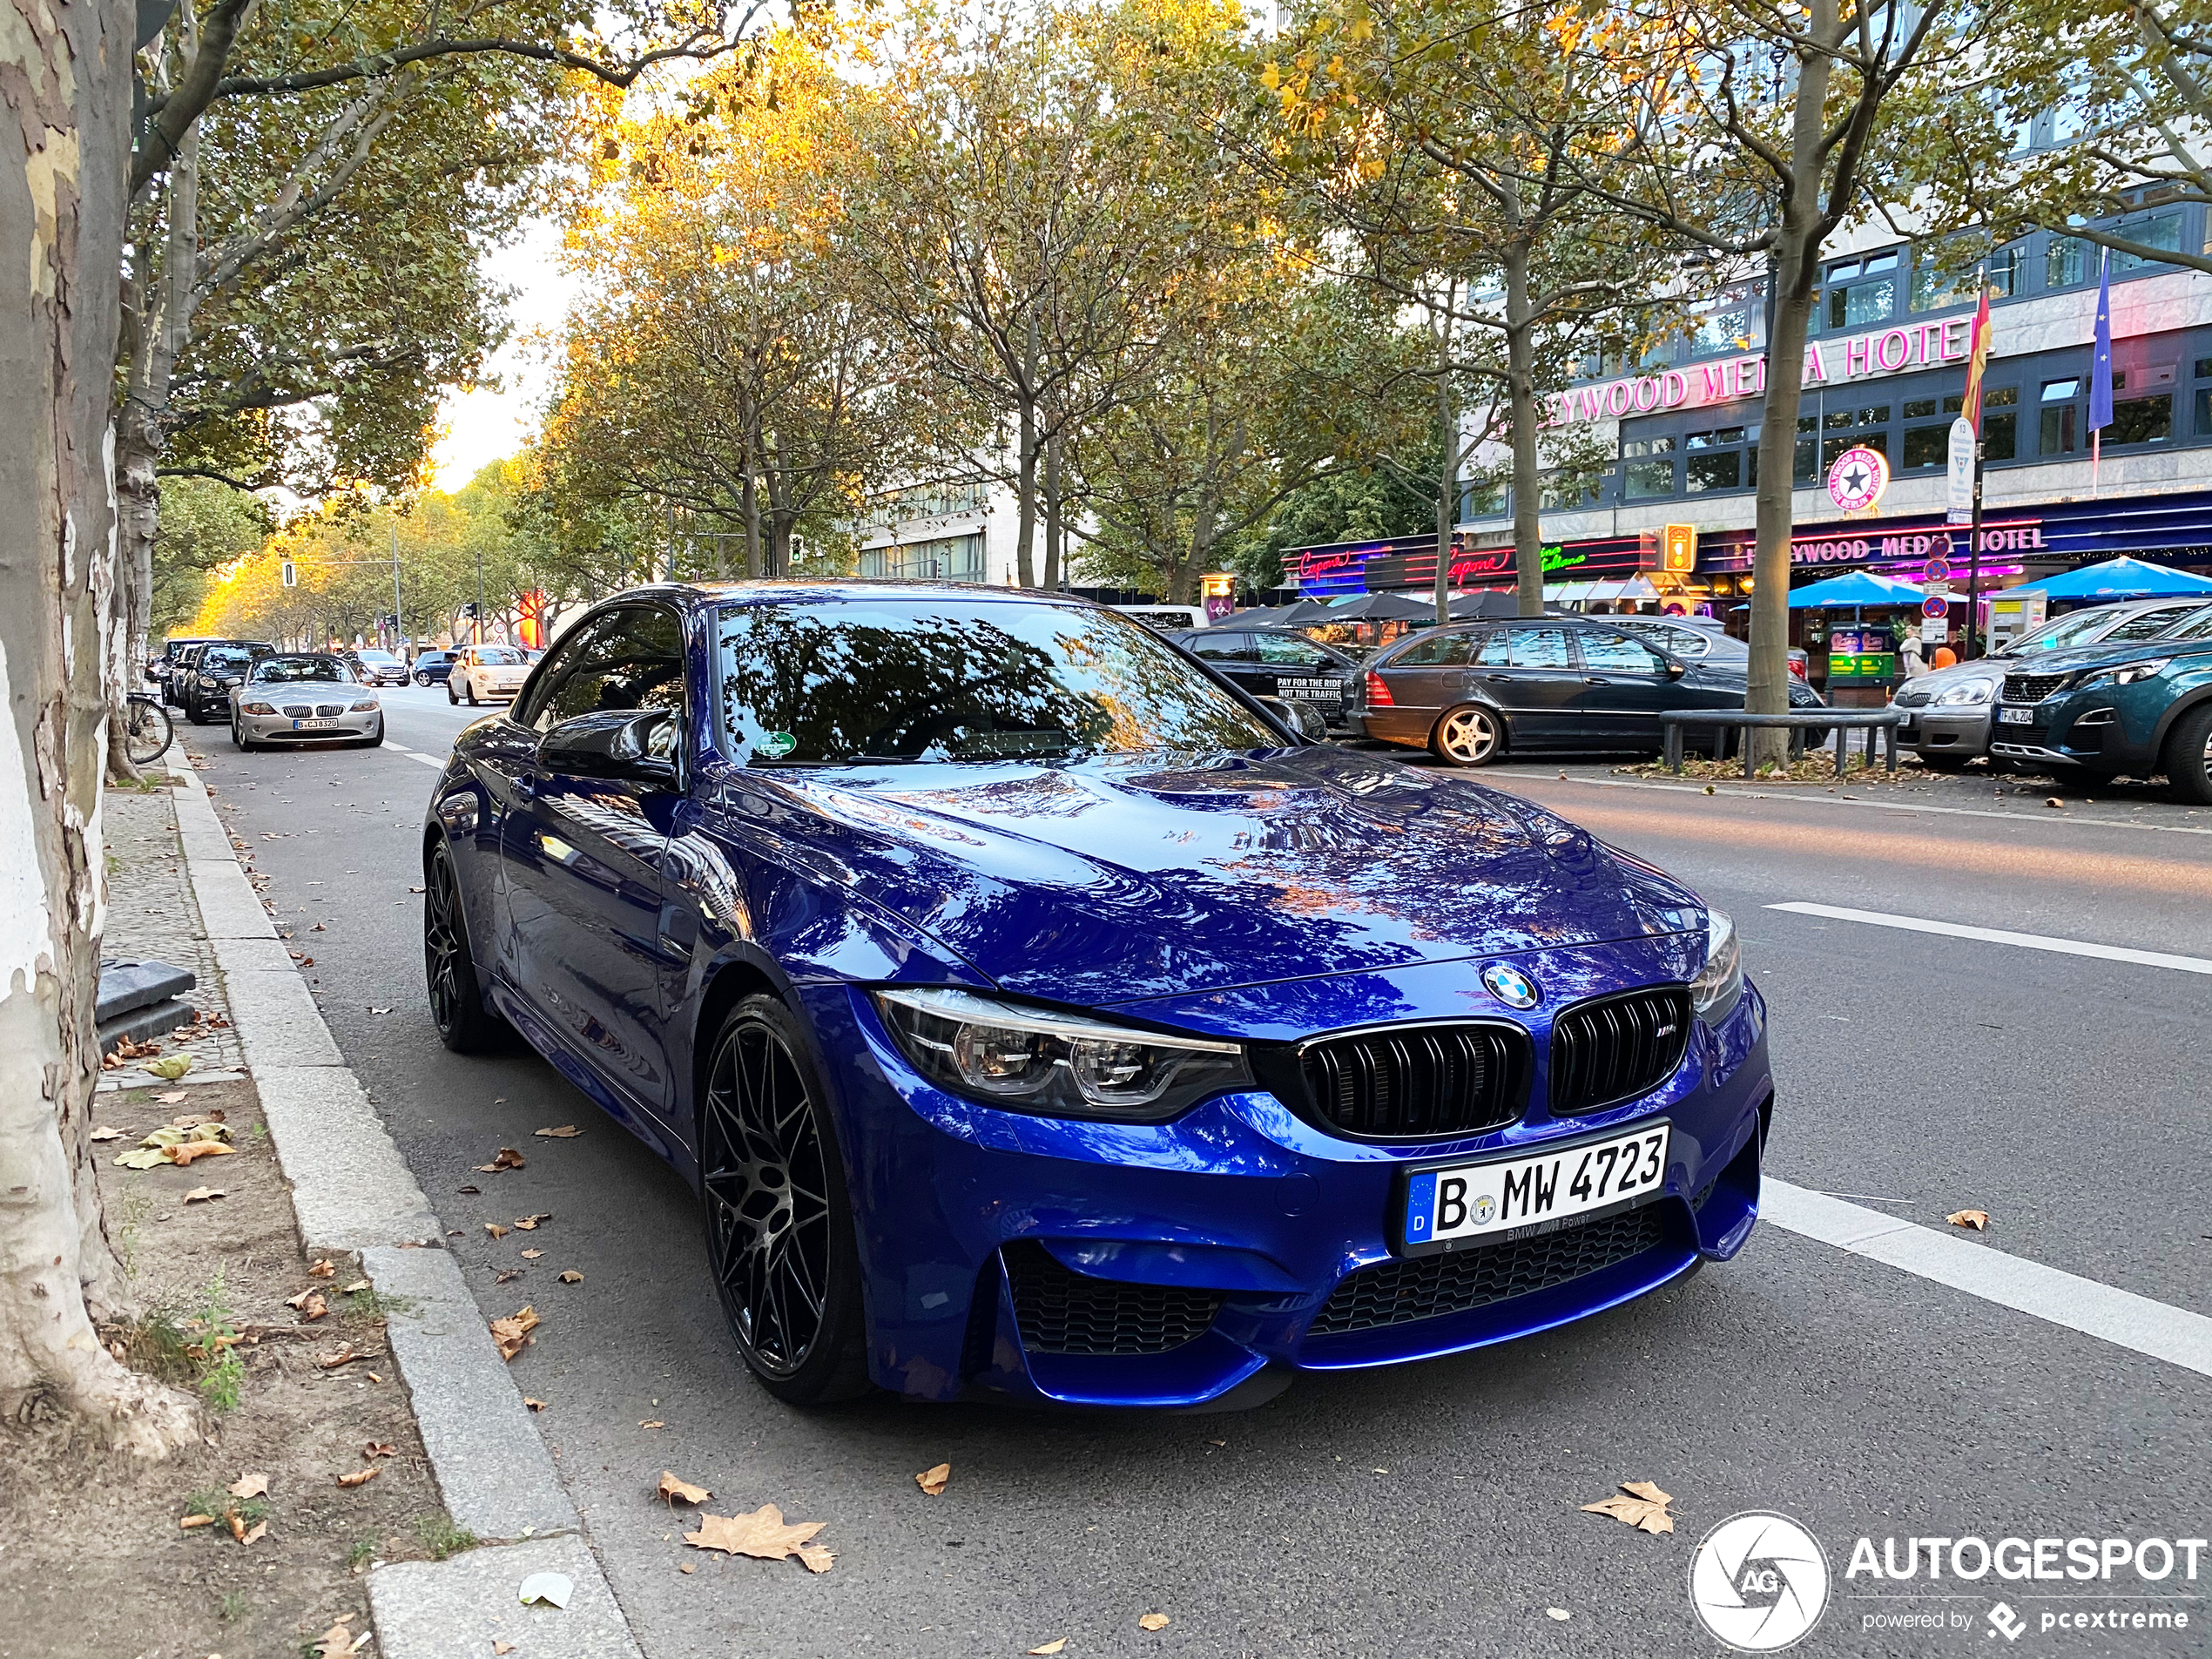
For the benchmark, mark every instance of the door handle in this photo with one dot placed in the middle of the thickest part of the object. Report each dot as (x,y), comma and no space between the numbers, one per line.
(1597,679)
(1498,679)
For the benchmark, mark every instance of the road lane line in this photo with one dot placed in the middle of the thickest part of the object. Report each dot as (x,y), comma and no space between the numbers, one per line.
(1999,936)
(2119,1316)
(428,760)
(1827,800)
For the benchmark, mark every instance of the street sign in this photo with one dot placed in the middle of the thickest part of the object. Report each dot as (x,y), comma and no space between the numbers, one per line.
(1934,631)
(1935,605)
(1961,507)
(1936,569)
(291,574)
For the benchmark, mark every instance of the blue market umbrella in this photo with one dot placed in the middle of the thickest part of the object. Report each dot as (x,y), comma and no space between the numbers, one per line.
(2121,579)
(1859,588)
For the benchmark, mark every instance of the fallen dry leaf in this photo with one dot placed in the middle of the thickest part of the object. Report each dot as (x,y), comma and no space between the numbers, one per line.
(528,1224)
(513,1332)
(672,1489)
(189,1521)
(507,1159)
(689,1567)
(355,1288)
(502,1647)
(571,1277)
(378,1448)
(186,1151)
(535,1405)
(2055,801)
(360,1477)
(1153,1621)
(310,1303)
(561,1132)
(1639,1503)
(1053,1646)
(932,1481)
(319,1270)
(1976,1219)
(201,1195)
(532,1255)
(763,1534)
(472,1188)
(247,1534)
(652,1422)
(104,1133)
(498,1232)
(512,1272)
(345,1356)
(334,1641)
(251,1486)
(171,1097)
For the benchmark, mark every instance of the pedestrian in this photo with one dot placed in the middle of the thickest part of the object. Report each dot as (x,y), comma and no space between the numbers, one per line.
(1914,656)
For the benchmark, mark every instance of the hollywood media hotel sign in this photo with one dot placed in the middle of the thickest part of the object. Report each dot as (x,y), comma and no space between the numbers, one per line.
(1924,344)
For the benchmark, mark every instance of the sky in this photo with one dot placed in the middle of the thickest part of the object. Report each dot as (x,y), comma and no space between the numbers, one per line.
(493,421)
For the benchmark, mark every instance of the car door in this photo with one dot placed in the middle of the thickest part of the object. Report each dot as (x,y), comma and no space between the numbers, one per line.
(583,858)
(1534,685)
(1297,669)
(1230,652)
(1625,684)
(1425,680)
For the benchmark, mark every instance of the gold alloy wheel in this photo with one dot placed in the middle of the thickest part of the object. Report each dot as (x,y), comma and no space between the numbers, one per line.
(1468,736)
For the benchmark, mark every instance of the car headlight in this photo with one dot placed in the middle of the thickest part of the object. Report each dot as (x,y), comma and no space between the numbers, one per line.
(365,706)
(255,708)
(1714,992)
(1063,1065)
(1967,694)
(2126,674)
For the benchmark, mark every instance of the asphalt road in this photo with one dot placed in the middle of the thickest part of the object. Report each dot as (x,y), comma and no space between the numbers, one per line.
(1428,1510)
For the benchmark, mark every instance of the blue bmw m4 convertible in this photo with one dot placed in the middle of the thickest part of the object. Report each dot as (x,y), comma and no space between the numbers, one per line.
(1038,1015)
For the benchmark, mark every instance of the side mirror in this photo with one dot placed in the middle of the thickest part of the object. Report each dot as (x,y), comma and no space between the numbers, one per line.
(1675,670)
(610,742)
(1301,717)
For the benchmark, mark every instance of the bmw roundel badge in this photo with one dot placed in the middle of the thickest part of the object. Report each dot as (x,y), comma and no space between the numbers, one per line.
(1510,985)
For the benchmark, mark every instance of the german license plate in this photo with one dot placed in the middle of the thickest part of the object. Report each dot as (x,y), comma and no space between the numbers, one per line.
(314,725)
(1471,1203)
(2016,717)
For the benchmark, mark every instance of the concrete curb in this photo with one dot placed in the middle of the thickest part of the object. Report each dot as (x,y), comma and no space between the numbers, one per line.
(354,1192)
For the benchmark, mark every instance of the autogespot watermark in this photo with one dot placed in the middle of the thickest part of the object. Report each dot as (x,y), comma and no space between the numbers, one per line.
(1759,1582)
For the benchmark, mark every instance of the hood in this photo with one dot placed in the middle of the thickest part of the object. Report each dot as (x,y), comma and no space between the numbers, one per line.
(1133,877)
(2079,657)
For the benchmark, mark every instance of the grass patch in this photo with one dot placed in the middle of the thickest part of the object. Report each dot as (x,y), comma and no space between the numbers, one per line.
(194,1346)
(131,1210)
(233,1606)
(360,1555)
(372,1306)
(441,1538)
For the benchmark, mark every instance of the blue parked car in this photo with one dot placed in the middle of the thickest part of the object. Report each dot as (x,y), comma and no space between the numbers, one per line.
(1039,1015)
(2104,711)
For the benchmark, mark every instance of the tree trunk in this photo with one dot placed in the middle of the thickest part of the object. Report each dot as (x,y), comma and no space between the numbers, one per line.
(1447,483)
(64,183)
(1025,493)
(1797,253)
(1054,577)
(1520,395)
(751,494)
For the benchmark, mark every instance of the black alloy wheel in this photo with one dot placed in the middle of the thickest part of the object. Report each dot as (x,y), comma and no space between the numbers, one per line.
(465,1025)
(779,1222)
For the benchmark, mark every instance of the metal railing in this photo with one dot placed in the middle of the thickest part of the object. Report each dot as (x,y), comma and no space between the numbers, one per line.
(1797,722)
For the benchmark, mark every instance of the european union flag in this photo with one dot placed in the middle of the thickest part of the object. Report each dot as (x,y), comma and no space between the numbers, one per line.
(2101,365)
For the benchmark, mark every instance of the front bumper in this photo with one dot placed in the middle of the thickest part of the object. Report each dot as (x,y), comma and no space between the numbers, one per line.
(2090,731)
(1963,732)
(1232,1228)
(284,728)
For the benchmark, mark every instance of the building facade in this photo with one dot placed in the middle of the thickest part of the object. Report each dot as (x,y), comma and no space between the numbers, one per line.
(1885,369)
(957,532)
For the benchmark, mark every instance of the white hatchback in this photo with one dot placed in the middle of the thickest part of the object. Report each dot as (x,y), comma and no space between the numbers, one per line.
(487,673)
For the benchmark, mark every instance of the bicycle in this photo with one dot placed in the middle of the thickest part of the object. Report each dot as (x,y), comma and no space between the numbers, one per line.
(148,731)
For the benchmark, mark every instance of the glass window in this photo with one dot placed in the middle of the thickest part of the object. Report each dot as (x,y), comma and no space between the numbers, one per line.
(1927,446)
(2053,391)
(1282,651)
(2203,370)
(952,679)
(2159,231)
(1540,648)
(2148,624)
(631,658)
(946,558)
(1493,653)
(1618,653)
(1842,270)
(1999,436)
(2007,268)
(292,670)
(1831,449)
(2199,629)
(1953,403)
(2065,261)
(1724,471)
(2059,424)
(1861,303)
(1918,408)
(1881,261)
(1424,652)
(2142,419)
(2204,413)
(1642,480)
(1223,648)
(1721,438)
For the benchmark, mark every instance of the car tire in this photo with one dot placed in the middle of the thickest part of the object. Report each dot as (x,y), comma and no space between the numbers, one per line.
(2188,756)
(1941,762)
(764,1132)
(375,742)
(1469,735)
(240,741)
(452,696)
(469,687)
(465,1025)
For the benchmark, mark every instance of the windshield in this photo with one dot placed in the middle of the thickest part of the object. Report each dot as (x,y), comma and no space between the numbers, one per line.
(497,657)
(951,679)
(376,656)
(2081,626)
(232,661)
(284,670)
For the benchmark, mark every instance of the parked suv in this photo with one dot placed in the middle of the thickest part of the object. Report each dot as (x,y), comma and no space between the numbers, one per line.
(2105,711)
(1279,661)
(1948,713)
(1470,694)
(202,686)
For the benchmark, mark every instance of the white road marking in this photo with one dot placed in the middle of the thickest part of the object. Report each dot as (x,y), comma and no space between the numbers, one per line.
(1728,792)
(2119,1316)
(1999,936)
(428,760)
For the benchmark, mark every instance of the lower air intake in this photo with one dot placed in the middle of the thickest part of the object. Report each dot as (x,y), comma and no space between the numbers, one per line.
(1061,1312)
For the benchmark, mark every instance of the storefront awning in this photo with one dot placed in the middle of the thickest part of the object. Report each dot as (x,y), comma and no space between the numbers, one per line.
(1575,593)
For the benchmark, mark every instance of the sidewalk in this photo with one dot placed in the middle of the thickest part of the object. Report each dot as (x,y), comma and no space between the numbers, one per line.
(353,1192)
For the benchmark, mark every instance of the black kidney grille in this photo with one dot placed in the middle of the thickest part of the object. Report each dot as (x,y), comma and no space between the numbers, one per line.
(1613,1048)
(1061,1312)
(1428,1287)
(1418,1082)
(2031,688)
